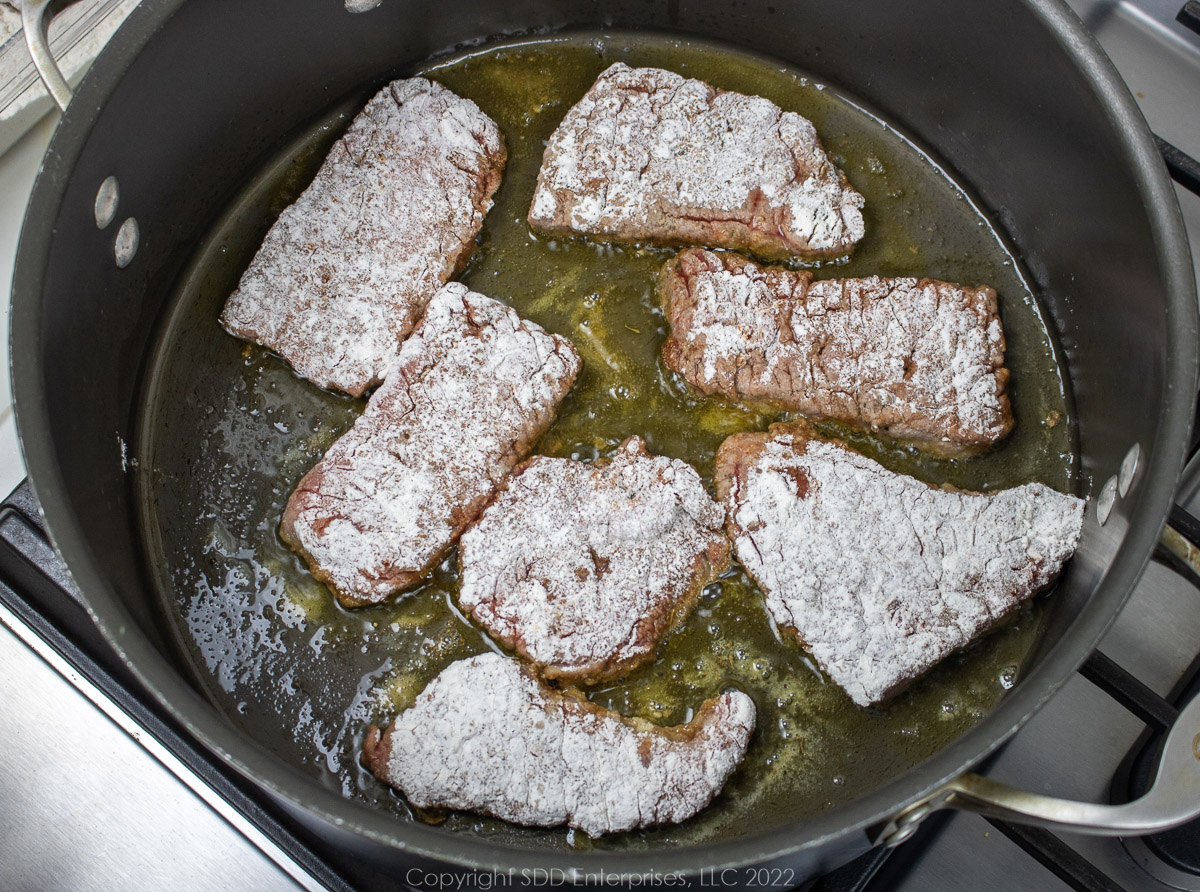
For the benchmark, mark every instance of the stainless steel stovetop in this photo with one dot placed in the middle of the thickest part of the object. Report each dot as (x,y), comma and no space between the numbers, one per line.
(94,799)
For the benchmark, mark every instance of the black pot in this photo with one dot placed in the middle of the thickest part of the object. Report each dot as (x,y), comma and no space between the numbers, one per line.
(1014,96)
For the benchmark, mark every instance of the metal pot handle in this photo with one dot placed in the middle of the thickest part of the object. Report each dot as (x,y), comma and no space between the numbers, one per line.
(36,16)
(1174,798)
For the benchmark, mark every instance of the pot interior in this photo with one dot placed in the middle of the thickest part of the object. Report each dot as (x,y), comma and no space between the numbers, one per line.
(227,431)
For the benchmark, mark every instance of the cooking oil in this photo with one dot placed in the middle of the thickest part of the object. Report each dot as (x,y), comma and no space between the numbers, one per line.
(230,430)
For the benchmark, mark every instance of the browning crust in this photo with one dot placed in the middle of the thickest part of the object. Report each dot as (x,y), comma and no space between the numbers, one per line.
(344,274)
(583,569)
(921,361)
(487,736)
(377,745)
(474,387)
(877,574)
(650,156)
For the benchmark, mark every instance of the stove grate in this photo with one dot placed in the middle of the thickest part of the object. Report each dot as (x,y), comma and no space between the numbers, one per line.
(1189,16)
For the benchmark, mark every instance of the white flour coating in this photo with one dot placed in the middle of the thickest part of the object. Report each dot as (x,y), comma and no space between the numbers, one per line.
(584,568)
(918,360)
(345,273)
(647,154)
(879,575)
(473,389)
(485,736)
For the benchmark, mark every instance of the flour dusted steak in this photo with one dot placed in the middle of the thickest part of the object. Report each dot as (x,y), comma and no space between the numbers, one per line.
(472,390)
(584,568)
(345,273)
(877,574)
(487,736)
(650,156)
(922,361)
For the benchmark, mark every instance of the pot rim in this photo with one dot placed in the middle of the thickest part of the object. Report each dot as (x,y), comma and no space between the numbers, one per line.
(844,822)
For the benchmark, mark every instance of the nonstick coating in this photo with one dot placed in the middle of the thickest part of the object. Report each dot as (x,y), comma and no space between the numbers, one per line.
(187,100)
(227,430)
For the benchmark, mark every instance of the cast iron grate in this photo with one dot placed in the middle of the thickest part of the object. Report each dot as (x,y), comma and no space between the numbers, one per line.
(1189,16)
(1179,848)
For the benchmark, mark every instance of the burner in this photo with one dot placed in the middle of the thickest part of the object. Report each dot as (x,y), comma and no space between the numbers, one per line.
(1178,850)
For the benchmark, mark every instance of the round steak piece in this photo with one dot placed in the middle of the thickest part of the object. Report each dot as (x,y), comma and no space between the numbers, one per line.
(582,568)
(487,736)
(918,360)
(877,574)
(473,389)
(346,271)
(648,155)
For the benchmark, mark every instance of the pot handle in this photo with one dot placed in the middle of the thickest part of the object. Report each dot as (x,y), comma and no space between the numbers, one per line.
(1172,800)
(36,16)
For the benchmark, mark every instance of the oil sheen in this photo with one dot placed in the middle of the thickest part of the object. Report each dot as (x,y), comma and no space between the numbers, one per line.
(229,431)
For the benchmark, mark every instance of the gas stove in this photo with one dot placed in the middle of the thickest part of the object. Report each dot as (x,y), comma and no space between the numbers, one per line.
(102,790)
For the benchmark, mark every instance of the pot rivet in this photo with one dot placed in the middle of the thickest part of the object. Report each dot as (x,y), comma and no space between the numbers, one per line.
(1104,503)
(126,244)
(1128,468)
(901,834)
(907,824)
(107,197)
